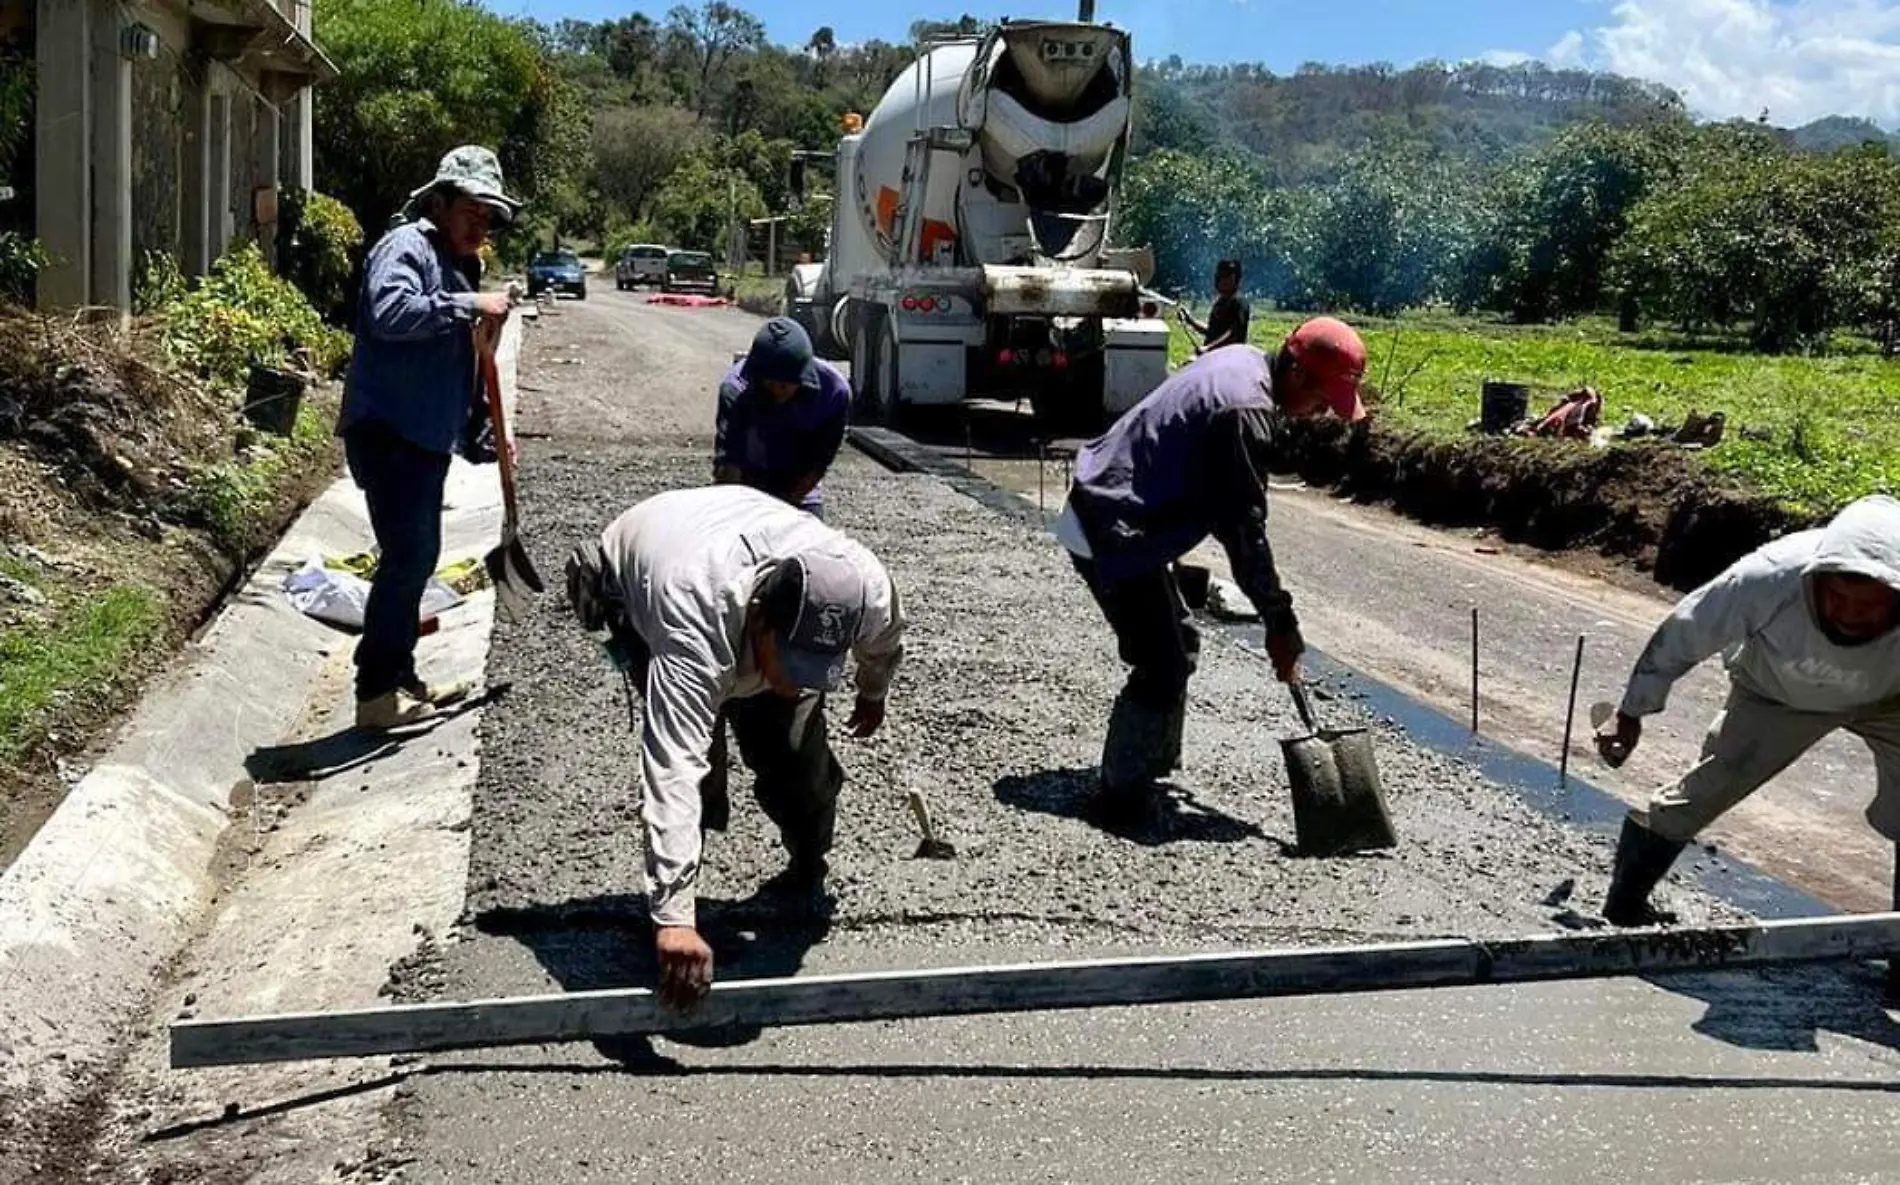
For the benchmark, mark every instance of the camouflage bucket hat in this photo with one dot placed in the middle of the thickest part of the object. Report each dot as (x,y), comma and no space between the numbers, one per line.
(474,171)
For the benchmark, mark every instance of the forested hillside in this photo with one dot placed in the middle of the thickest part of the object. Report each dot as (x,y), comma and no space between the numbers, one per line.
(1523,190)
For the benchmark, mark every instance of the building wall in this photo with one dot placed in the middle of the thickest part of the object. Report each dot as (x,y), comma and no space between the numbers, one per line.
(160,126)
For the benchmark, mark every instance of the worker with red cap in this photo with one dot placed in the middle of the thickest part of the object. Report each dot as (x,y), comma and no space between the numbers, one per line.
(1187,462)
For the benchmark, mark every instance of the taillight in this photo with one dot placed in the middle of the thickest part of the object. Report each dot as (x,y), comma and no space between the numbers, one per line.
(1059,360)
(909,304)
(1004,358)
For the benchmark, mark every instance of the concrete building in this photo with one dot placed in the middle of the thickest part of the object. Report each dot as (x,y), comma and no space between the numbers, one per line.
(163,126)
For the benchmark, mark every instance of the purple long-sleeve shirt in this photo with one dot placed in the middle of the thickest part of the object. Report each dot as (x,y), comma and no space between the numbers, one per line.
(775,445)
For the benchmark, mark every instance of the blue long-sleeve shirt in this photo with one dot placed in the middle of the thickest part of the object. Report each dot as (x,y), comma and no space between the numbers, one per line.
(413,369)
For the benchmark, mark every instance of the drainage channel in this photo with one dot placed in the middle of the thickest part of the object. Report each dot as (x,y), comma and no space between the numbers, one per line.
(1577,802)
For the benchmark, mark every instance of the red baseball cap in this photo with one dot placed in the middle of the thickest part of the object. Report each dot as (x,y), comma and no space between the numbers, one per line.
(1330,351)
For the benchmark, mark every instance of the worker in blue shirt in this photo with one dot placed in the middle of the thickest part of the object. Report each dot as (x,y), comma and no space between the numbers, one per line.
(410,401)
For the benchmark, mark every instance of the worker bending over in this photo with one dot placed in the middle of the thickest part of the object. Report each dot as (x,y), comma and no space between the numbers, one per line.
(1188,461)
(781,417)
(726,598)
(1806,628)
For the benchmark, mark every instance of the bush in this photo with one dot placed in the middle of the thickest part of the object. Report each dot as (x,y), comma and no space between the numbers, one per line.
(243,313)
(321,238)
(21,259)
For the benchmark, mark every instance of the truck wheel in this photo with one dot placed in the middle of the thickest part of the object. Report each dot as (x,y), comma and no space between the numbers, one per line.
(867,368)
(889,378)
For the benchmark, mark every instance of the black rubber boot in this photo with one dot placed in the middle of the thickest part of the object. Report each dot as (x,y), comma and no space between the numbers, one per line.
(1134,758)
(1642,860)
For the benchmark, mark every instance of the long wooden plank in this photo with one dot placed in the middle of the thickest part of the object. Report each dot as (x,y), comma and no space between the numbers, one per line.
(1029,987)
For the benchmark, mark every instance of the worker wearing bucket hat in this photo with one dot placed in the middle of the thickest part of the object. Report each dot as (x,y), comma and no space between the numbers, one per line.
(724,601)
(1187,462)
(410,401)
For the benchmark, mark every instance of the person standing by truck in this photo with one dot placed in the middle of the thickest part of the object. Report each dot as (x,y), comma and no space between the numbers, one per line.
(1227,321)
(410,400)
(781,418)
(1188,461)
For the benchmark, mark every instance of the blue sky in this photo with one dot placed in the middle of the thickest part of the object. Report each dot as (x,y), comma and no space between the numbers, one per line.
(1798,58)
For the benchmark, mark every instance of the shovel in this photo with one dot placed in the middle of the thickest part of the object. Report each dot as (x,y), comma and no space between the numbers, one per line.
(1338,804)
(509,568)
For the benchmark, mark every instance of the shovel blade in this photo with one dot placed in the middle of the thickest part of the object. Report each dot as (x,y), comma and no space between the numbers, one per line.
(1338,802)
(515,580)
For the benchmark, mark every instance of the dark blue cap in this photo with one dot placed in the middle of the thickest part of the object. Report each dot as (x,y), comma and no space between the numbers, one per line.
(781,353)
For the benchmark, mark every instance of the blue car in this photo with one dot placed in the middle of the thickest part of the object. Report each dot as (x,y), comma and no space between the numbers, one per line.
(556,271)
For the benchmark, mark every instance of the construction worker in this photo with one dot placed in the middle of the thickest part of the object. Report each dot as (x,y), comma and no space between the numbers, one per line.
(781,417)
(1188,461)
(1227,320)
(1806,628)
(723,599)
(410,400)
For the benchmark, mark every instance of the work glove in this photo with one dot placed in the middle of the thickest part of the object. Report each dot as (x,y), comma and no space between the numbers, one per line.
(1618,738)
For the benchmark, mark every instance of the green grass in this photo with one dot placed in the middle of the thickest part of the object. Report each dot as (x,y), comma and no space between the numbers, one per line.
(234,498)
(1832,433)
(89,644)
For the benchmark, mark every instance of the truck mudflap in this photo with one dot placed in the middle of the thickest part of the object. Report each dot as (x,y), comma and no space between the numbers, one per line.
(1059,291)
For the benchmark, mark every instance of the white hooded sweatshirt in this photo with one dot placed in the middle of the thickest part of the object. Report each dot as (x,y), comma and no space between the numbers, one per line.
(687,562)
(1760,615)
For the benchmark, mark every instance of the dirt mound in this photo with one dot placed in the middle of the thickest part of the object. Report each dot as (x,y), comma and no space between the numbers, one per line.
(131,499)
(1647,502)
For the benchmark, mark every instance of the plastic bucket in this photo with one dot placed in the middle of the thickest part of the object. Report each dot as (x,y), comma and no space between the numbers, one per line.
(271,399)
(1503,405)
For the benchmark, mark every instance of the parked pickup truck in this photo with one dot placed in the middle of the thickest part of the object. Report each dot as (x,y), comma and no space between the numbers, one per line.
(689,270)
(642,263)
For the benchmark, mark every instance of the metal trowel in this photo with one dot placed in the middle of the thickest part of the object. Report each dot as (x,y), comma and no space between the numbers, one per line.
(1338,802)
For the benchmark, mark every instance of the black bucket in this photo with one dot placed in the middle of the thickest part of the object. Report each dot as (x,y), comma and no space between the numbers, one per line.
(1503,406)
(271,399)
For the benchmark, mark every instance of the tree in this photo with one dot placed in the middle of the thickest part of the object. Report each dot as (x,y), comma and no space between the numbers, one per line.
(713,34)
(418,78)
(697,202)
(636,148)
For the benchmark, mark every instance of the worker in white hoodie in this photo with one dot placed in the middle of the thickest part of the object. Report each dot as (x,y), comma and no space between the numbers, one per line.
(1806,626)
(726,598)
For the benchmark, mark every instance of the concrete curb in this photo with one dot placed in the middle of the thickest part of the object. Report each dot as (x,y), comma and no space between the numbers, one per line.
(118,881)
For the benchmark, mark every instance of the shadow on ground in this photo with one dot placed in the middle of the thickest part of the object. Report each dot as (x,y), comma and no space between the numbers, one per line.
(1784,1009)
(347,748)
(605,942)
(1177,816)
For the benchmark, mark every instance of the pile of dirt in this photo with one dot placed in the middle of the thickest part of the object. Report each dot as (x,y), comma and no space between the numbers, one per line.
(1646,502)
(101,448)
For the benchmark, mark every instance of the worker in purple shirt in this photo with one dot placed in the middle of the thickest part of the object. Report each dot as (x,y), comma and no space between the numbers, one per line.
(781,418)
(1187,462)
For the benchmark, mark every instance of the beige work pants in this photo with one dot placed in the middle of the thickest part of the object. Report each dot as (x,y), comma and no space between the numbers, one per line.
(1752,739)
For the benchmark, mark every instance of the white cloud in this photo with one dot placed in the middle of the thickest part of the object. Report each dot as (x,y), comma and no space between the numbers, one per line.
(1800,59)
(1504,57)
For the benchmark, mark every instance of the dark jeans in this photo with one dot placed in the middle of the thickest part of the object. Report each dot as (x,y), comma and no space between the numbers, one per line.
(403,485)
(1153,629)
(796,777)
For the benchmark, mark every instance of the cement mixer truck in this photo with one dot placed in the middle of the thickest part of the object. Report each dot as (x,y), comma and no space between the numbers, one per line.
(968,255)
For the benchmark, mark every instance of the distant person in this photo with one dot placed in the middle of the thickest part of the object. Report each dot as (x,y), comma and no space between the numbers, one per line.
(1227,320)
(724,600)
(410,400)
(781,418)
(1806,628)
(1187,462)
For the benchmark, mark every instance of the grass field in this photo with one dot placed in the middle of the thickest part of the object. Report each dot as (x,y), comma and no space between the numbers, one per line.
(1832,424)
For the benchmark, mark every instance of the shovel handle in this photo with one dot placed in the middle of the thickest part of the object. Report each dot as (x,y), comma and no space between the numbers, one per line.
(1303,706)
(491,387)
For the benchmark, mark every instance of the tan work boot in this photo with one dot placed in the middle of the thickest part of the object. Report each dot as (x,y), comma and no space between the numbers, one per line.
(440,695)
(398,709)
